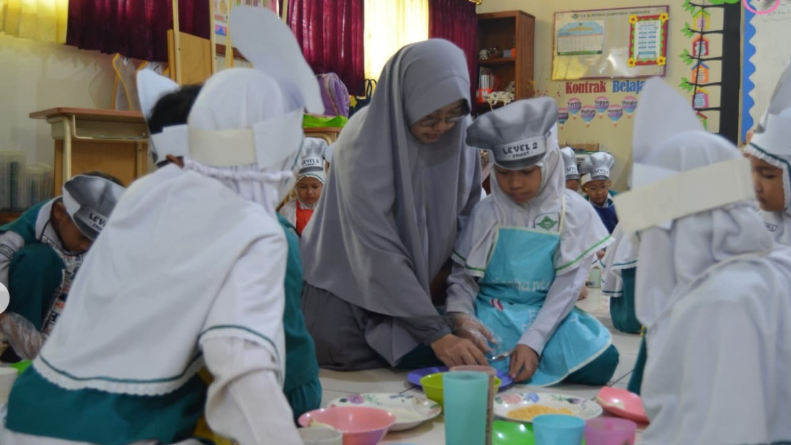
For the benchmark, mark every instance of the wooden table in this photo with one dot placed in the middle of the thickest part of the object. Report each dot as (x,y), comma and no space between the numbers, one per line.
(115,142)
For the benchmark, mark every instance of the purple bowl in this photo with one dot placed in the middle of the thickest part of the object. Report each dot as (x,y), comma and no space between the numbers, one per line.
(415,376)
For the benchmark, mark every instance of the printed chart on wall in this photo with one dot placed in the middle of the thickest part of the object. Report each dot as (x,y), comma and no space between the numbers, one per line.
(610,43)
(766,54)
(222,10)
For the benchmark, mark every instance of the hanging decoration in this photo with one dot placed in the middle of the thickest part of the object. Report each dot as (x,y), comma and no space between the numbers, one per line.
(587,113)
(574,105)
(629,104)
(563,116)
(601,104)
(615,112)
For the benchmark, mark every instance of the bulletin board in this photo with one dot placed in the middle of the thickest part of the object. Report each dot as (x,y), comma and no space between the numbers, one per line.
(766,54)
(610,43)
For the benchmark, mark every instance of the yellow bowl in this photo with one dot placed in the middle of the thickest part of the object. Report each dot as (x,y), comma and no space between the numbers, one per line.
(432,387)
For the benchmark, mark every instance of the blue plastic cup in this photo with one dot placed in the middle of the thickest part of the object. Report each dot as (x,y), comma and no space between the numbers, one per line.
(466,396)
(558,429)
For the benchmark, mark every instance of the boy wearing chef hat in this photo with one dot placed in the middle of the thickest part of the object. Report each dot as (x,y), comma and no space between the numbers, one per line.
(310,182)
(770,158)
(166,107)
(538,237)
(130,348)
(572,173)
(41,252)
(596,184)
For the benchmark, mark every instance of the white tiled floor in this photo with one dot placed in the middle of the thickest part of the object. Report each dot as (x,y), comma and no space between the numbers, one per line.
(340,384)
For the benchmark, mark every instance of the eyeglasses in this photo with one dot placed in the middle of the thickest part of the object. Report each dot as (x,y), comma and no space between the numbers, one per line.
(431,122)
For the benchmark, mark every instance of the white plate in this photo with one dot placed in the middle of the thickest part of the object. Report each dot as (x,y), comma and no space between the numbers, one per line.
(410,411)
(583,408)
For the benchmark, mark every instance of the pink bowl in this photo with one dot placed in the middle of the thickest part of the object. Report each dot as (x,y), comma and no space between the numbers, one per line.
(360,425)
(622,403)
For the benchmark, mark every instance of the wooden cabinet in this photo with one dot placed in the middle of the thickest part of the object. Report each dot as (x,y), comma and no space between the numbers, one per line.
(508,30)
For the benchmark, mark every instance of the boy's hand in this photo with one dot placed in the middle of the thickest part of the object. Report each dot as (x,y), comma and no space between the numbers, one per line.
(524,362)
(456,351)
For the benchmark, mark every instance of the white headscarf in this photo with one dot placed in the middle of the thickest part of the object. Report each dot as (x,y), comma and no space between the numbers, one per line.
(583,233)
(236,99)
(771,144)
(204,218)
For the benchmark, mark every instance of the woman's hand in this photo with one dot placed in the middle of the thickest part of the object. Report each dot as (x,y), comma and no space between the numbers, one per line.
(456,351)
(600,254)
(469,327)
(524,362)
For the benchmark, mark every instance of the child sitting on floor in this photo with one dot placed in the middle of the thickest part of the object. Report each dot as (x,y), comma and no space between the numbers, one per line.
(523,257)
(310,182)
(41,252)
(596,184)
(166,107)
(770,158)
(711,288)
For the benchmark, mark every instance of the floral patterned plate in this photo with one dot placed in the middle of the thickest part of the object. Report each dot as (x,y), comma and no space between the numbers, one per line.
(410,411)
(523,407)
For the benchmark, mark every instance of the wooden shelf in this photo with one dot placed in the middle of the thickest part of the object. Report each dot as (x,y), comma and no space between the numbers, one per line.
(496,62)
(508,30)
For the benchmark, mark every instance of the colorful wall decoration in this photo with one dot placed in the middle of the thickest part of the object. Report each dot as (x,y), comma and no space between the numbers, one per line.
(698,55)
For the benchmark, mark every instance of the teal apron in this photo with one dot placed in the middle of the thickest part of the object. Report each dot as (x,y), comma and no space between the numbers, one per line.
(512,291)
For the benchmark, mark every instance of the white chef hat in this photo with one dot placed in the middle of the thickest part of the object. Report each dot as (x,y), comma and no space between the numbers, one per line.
(311,164)
(518,135)
(570,162)
(89,201)
(597,166)
(661,194)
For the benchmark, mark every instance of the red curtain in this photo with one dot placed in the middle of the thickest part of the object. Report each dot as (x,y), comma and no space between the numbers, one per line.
(134,28)
(455,20)
(330,33)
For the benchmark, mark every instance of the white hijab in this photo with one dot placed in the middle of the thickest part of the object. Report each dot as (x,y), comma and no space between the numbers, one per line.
(236,99)
(771,144)
(583,233)
(671,261)
(203,218)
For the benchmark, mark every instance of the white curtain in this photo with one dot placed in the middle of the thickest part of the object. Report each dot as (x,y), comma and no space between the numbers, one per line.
(42,20)
(389,25)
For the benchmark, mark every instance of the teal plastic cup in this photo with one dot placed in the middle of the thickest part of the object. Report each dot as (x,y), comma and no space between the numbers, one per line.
(558,429)
(466,395)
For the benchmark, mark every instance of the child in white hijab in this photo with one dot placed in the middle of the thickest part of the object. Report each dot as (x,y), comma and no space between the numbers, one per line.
(712,286)
(523,258)
(310,182)
(129,350)
(770,156)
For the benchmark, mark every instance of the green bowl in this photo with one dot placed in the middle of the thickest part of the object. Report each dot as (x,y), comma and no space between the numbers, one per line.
(432,387)
(21,366)
(513,433)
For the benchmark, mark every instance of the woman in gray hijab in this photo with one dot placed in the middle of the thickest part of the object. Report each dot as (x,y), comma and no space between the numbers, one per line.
(401,185)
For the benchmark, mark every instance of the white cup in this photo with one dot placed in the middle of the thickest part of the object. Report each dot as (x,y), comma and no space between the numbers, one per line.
(321,436)
(7,379)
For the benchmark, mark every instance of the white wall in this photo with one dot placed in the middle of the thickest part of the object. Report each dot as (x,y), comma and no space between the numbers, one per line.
(36,76)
